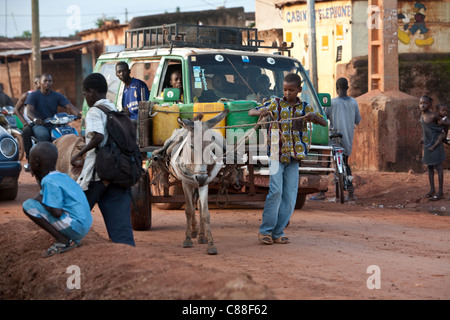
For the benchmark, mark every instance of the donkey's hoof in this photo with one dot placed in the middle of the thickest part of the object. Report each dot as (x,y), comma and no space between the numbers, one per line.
(194,234)
(188,244)
(202,240)
(212,250)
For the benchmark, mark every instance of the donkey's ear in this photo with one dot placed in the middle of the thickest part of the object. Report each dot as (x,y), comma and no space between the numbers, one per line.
(185,123)
(212,122)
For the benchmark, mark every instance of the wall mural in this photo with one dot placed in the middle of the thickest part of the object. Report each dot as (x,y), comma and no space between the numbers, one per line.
(413,21)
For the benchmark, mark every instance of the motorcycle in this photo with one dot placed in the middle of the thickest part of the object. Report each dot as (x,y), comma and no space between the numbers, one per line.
(9,122)
(60,122)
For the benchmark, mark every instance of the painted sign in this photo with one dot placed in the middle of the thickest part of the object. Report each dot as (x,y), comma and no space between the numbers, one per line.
(329,12)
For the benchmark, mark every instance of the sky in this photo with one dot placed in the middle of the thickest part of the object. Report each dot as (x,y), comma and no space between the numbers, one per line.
(59,18)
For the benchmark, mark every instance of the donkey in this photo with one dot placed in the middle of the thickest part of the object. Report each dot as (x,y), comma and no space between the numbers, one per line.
(195,161)
(67,146)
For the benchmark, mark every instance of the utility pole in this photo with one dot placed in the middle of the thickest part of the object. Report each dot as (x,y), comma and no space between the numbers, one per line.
(383,45)
(36,41)
(312,44)
(6,18)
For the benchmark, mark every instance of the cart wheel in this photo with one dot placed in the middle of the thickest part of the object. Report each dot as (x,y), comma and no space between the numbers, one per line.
(141,208)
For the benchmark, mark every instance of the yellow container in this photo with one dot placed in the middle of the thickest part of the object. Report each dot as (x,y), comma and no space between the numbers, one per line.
(164,123)
(209,107)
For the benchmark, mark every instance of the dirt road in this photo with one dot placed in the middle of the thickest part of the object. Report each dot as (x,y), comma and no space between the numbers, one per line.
(391,238)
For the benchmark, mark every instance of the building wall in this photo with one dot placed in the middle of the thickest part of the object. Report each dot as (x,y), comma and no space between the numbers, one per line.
(434,36)
(18,82)
(345,23)
(333,33)
(221,17)
(267,16)
(107,36)
(62,71)
(63,74)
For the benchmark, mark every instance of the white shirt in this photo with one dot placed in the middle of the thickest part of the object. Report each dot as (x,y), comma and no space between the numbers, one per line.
(95,122)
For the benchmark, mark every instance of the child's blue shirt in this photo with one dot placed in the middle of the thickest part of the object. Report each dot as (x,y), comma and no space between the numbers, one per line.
(60,191)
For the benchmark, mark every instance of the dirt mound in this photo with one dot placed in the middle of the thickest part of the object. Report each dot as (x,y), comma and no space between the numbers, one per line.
(396,190)
(108,271)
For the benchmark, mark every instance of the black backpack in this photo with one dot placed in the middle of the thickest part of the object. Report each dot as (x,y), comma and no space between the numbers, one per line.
(120,160)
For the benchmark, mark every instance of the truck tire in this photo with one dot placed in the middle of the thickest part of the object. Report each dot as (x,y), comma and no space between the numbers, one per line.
(9,194)
(301,197)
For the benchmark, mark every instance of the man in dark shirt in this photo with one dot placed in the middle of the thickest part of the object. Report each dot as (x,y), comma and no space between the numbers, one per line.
(43,104)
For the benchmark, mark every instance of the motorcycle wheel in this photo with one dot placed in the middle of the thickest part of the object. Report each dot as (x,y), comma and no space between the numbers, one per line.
(19,139)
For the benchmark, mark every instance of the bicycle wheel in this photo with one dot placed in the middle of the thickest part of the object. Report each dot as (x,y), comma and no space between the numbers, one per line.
(339,187)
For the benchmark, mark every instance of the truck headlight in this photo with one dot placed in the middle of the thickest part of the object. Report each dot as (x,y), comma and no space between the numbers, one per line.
(8,147)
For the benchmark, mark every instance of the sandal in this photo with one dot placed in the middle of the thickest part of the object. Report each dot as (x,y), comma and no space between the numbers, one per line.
(265,239)
(281,240)
(436,198)
(60,248)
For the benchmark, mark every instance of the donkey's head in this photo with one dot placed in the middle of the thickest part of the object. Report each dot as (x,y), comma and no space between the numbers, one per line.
(201,156)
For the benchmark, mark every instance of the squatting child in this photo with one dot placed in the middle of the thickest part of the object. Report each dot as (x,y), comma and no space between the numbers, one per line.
(60,208)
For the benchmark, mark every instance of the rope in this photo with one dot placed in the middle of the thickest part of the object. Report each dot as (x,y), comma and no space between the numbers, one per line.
(217,112)
(237,125)
(260,123)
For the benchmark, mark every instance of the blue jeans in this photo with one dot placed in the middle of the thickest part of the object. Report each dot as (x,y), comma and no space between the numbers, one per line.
(114,203)
(280,201)
(43,133)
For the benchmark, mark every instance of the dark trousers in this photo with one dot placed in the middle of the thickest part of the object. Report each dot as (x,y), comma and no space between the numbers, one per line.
(27,133)
(43,133)
(114,203)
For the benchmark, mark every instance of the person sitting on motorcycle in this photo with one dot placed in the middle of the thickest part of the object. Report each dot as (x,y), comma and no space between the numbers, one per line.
(43,104)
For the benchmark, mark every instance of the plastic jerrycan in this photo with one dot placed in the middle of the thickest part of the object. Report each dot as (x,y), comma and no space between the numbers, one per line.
(210,111)
(165,122)
(238,117)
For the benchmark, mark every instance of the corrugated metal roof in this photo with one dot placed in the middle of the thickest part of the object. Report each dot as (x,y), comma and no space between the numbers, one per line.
(13,44)
(53,48)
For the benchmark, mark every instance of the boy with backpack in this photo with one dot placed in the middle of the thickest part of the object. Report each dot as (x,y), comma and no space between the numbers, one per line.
(114,200)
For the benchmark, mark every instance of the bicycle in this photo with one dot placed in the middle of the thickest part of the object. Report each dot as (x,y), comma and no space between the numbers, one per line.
(341,179)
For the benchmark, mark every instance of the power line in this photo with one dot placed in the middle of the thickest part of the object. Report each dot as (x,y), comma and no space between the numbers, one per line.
(96,14)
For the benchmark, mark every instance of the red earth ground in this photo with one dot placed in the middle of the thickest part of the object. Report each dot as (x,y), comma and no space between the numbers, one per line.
(390,226)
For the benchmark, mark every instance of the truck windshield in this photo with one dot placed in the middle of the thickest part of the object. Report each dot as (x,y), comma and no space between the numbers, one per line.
(244,77)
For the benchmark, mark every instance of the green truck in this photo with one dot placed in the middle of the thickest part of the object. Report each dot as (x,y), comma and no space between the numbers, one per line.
(221,68)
